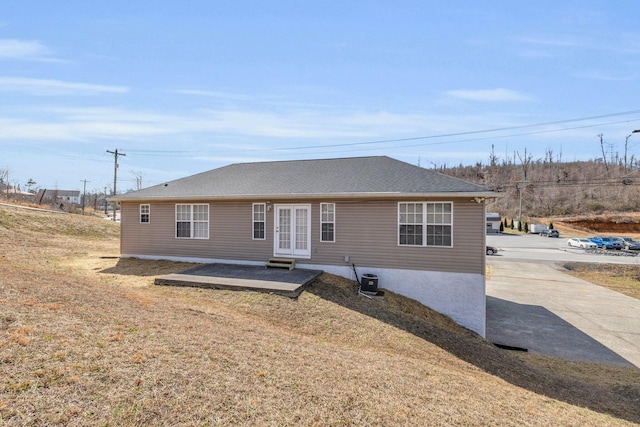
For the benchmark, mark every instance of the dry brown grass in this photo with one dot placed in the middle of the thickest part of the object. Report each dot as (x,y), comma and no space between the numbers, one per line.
(90,341)
(623,278)
(618,224)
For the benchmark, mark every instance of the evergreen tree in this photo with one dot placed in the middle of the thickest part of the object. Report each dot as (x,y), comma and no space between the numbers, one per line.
(526,227)
(550,225)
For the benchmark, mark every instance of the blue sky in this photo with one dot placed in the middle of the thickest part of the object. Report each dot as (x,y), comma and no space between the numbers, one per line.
(184,87)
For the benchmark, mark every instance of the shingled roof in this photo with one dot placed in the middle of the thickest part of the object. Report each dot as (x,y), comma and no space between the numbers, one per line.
(378,176)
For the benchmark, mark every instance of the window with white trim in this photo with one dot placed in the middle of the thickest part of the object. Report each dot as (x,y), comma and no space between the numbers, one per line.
(145,214)
(425,224)
(411,224)
(259,221)
(192,221)
(327,222)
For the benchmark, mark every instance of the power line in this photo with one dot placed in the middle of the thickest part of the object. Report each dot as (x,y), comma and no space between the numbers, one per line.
(477,132)
(186,153)
(477,139)
(589,182)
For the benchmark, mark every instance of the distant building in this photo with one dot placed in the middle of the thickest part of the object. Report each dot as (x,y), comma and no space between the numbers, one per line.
(58,196)
(493,222)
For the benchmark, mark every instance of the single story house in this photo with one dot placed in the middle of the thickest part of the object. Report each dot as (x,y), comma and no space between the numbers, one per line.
(58,196)
(421,232)
(493,222)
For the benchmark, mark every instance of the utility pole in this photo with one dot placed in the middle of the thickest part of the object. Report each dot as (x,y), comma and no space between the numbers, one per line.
(115,176)
(84,193)
(520,186)
(105,200)
(626,145)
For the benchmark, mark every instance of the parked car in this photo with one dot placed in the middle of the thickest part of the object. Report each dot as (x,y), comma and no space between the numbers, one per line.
(551,232)
(491,250)
(606,242)
(629,243)
(581,243)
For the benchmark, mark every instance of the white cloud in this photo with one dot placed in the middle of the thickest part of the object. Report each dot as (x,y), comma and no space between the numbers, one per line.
(96,124)
(25,50)
(213,132)
(555,45)
(601,75)
(47,87)
(548,46)
(212,94)
(556,40)
(295,124)
(82,124)
(489,95)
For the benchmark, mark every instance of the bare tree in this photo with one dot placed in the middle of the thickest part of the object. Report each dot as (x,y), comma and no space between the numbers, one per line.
(604,154)
(548,156)
(4,179)
(138,176)
(559,156)
(525,162)
(493,157)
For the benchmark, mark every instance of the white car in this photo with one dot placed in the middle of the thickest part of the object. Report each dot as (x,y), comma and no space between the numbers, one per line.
(581,243)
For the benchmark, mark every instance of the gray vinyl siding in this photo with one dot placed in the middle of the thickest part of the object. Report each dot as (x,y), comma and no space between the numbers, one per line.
(365,230)
(230,233)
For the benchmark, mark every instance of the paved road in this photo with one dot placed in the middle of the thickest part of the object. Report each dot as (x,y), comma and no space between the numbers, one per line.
(532,304)
(531,247)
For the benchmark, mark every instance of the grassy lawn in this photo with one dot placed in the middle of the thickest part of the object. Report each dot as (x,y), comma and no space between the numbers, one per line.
(618,277)
(86,339)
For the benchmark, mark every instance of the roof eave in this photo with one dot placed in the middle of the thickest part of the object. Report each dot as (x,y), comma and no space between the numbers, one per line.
(308,196)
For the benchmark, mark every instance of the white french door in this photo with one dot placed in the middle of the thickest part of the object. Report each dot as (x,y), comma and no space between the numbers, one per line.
(292,231)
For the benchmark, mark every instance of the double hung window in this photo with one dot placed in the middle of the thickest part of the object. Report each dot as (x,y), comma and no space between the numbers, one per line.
(145,214)
(259,221)
(425,223)
(192,221)
(327,222)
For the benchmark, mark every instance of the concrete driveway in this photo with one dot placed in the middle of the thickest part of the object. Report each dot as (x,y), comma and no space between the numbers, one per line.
(534,305)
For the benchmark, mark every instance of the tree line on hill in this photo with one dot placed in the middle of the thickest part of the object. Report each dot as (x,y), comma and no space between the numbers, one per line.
(548,186)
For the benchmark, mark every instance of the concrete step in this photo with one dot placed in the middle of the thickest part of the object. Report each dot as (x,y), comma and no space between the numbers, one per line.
(281,263)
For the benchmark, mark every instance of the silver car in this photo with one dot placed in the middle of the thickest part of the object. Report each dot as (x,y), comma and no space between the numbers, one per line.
(629,243)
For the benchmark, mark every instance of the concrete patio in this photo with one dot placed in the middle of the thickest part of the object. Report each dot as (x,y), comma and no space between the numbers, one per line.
(279,281)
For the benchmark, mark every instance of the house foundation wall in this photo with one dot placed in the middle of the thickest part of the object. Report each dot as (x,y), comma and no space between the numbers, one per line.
(460,296)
